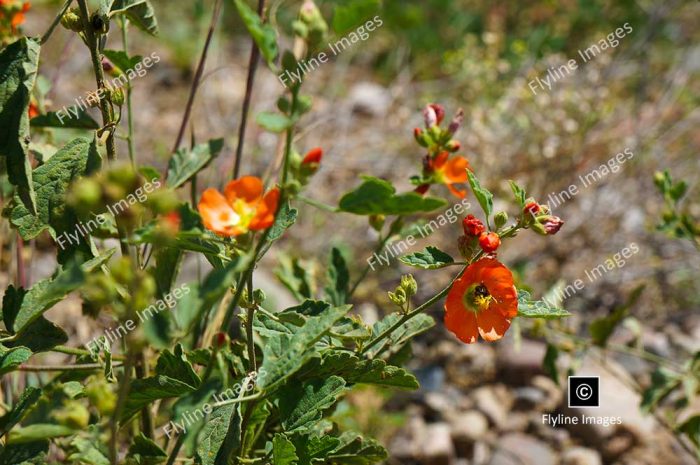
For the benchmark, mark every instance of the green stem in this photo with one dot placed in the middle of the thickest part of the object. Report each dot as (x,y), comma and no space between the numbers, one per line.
(130,126)
(363,275)
(78,367)
(317,204)
(384,334)
(55,22)
(176,449)
(95,55)
(119,408)
(250,342)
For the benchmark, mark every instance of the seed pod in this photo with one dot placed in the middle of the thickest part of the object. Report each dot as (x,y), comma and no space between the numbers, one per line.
(71,20)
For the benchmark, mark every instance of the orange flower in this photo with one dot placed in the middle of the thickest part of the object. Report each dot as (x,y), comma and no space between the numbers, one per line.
(482,301)
(450,171)
(241,208)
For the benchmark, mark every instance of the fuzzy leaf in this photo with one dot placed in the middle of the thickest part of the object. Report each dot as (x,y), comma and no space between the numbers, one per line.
(484,197)
(528,308)
(302,406)
(663,381)
(274,122)
(518,193)
(224,423)
(175,365)
(51,181)
(283,451)
(284,355)
(286,217)
(263,34)
(378,197)
(357,371)
(18,68)
(144,391)
(146,451)
(66,120)
(602,328)
(33,453)
(431,258)
(185,163)
(338,279)
(28,398)
(38,432)
(404,333)
(139,12)
(12,358)
(122,61)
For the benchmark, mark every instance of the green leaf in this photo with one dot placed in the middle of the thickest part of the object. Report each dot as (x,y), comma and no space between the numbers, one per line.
(46,293)
(338,286)
(285,355)
(263,34)
(286,217)
(122,61)
(144,391)
(402,335)
(352,13)
(602,328)
(302,406)
(12,358)
(175,365)
(431,258)
(663,382)
(223,424)
(28,398)
(357,371)
(38,432)
(40,335)
(518,193)
(185,163)
(378,197)
(52,119)
(484,197)
(18,69)
(283,451)
(356,450)
(51,181)
(139,12)
(691,427)
(528,308)
(549,363)
(33,453)
(296,277)
(274,122)
(87,452)
(146,452)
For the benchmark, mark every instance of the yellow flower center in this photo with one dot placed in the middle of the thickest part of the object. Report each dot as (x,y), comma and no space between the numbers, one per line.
(244,213)
(477,298)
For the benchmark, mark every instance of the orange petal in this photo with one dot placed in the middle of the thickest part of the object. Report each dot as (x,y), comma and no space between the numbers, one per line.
(248,188)
(492,324)
(313,156)
(439,161)
(456,192)
(455,169)
(217,214)
(265,214)
(458,319)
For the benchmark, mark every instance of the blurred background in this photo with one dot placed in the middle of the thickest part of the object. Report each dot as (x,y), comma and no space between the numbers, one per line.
(482,403)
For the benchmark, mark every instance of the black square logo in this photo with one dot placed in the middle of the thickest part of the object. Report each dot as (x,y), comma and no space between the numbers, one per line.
(584,391)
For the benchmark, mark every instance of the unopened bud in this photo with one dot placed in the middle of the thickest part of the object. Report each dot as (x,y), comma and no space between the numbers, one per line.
(456,122)
(377,222)
(419,135)
(500,219)
(489,242)
(71,20)
(551,224)
(453,146)
(409,284)
(429,116)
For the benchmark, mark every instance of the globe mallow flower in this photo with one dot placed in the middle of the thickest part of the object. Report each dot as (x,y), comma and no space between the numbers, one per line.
(483,301)
(241,208)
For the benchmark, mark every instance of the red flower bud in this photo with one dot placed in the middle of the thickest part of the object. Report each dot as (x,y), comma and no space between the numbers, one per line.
(220,340)
(552,224)
(473,226)
(533,208)
(313,156)
(456,122)
(453,146)
(429,116)
(419,135)
(489,242)
(107,65)
(422,189)
(439,111)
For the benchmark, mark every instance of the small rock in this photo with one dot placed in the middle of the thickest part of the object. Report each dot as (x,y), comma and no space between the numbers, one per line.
(468,365)
(517,366)
(553,393)
(482,453)
(516,421)
(466,428)
(520,449)
(495,402)
(436,447)
(581,456)
(528,398)
(369,99)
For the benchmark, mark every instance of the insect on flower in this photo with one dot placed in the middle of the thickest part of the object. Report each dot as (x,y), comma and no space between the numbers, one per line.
(481,302)
(241,208)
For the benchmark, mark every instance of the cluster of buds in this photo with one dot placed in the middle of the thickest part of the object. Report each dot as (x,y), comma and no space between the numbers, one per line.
(403,292)
(475,234)
(434,137)
(438,167)
(539,218)
(310,26)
